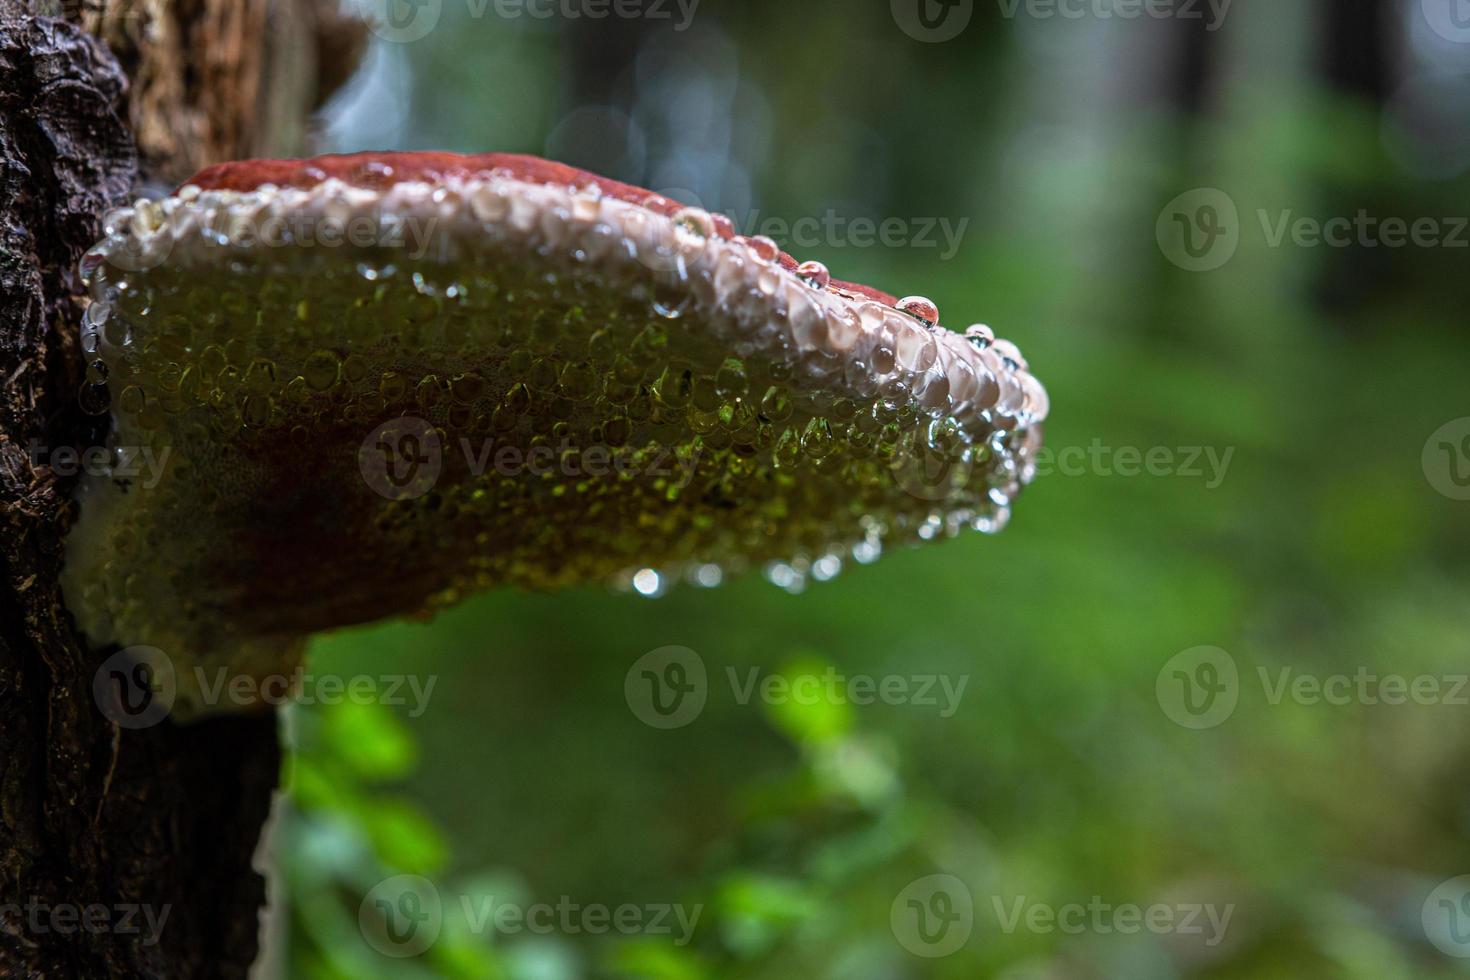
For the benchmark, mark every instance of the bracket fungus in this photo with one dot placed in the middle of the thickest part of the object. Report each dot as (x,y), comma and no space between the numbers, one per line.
(384,381)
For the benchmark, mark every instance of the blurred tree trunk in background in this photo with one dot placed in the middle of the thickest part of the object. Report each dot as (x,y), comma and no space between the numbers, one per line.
(1197,66)
(219,80)
(599,57)
(1358,35)
(101,828)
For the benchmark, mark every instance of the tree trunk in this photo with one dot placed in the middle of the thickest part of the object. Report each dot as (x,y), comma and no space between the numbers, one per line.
(123,852)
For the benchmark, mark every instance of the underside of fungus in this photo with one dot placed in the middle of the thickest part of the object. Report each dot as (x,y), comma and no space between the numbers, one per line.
(373,384)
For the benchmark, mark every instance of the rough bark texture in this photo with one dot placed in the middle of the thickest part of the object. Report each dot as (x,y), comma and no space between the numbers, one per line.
(220,80)
(90,815)
(96,819)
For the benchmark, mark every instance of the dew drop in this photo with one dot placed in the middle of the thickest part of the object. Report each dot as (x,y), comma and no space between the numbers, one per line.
(825,569)
(467,388)
(297,392)
(867,551)
(730,380)
(671,300)
(426,392)
(587,206)
(503,419)
(674,386)
(979,335)
(816,439)
(577,380)
(616,432)
(843,329)
(256,411)
(320,369)
(131,400)
(647,582)
(920,308)
(191,390)
(992,520)
(694,221)
(776,404)
(702,422)
(814,274)
(261,377)
(602,345)
(168,377)
(517,399)
(704,394)
(354,368)
(542,374)
(627,370)
(883,358)
(787,449)
(1010,353)
(785,576)
(765,249)
(392,386)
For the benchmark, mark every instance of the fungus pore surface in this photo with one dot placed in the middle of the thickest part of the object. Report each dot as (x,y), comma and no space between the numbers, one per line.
(353,387)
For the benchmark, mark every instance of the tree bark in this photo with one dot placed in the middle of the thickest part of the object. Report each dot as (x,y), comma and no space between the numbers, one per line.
(215,80)
(123,853)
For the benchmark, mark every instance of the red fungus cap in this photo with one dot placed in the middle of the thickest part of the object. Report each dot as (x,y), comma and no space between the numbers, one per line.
(382,381)
(379,170)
